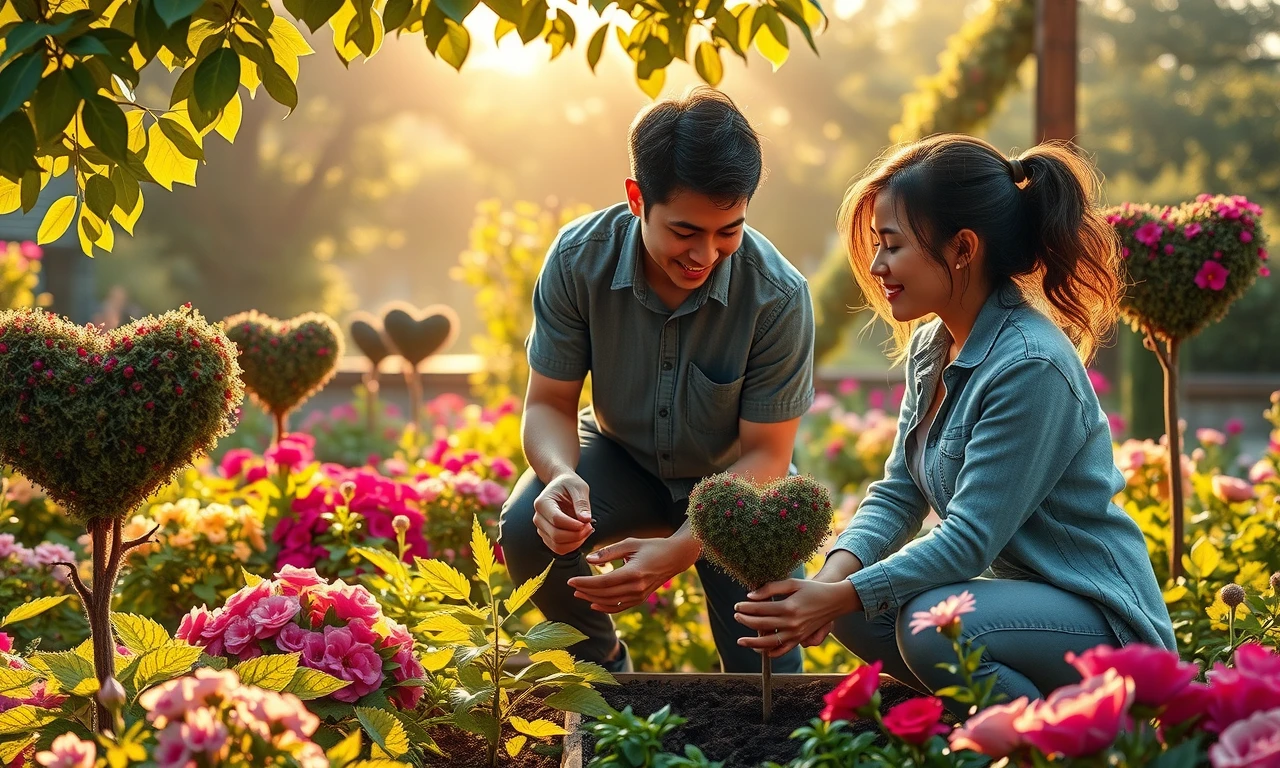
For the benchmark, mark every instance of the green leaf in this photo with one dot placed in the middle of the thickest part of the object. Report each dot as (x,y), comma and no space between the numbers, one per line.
(381,559)
(217,78)
(181,138)
(16,680)
(39,605)
(455,45)
(273,672)
(771,35)
(316,13)
(99,195)
(22,36)
(308,684)
(396,12)
(444,579)
(533,19)
(480,723)
(164,664)
(579,698)
(525,591)
(29,193)
(1185,755)
(481,549)
(24,719)
(172,10)
(508,10)
(538,729)
(552,635)
(345,751)
(561,660)
(18,81)
(708,64)
(10,750)
(596,46)
(54,105)
(279,85)
(458,10)
(106,126)
(385,730)
(69,668)
(515,744)
(139,633)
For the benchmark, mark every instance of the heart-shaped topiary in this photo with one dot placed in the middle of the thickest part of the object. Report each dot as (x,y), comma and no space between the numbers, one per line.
(759,535)
(101,419)
(369,338)
(419,334)
(285,361)
(1185,265)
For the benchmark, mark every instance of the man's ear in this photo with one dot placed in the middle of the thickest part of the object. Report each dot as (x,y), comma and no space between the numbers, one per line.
(635,201)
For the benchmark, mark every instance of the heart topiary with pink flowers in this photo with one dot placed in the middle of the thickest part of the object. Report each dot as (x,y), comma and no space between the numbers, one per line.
(1183,266)
(285,361)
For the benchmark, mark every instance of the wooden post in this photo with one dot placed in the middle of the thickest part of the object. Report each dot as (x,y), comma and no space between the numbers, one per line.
(1056,79)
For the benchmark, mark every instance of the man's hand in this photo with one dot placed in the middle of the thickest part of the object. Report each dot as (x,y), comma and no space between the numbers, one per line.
(804,617)
(562,513)
(649,563)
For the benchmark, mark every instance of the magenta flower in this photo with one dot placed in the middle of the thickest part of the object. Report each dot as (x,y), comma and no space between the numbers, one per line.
(1149,234)
(1158,674)
(348,659)
(293,580)
(292,638)
(1246,236)
(1191,230)
(270,615)
(1212,275)
(1254,741)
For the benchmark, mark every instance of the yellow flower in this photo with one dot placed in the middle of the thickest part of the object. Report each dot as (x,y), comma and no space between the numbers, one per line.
(251,528)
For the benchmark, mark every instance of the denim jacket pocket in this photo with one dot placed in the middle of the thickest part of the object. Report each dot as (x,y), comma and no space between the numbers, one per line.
(951,447)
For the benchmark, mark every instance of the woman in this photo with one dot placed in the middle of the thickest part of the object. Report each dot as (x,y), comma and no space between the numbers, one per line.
(1000,430)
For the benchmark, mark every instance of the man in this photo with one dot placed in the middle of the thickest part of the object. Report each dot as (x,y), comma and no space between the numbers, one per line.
(699,339)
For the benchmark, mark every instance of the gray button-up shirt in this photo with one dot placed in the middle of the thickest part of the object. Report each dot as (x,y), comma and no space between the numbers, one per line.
(670,386)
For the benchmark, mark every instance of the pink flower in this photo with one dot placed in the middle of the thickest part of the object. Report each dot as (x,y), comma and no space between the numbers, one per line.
(1210,437)
(1264,271)
(991,731)
(191,628)
(491,494)
(69,751)
(1238,693)
(1191,230)
(233,462)
(202,732)
(1252,658)
(944,614)
(1231,489)
(240,638)
(1149,234)
(1157,674)
(853,693)
(467,483)
(6,643)
(171,751)
(348,659)
(270,615)
(169,701)
(293,580)
(847,387)
(822,402)
(1262,472)
(1116,422)
(348,602)
(876,398)
(502,468)
(1234,426)
(292,638)
(1212,275)
(916,720)
(1250,743)
(1099,382)
(1191,703)
(1079,720)
(407,696)
(292,451)
(48,553)
(1246,236)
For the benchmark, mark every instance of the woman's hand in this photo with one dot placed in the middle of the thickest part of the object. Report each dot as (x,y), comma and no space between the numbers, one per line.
(804,616)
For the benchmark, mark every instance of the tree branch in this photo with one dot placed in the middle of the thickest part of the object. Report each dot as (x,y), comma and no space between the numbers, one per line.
(86,594)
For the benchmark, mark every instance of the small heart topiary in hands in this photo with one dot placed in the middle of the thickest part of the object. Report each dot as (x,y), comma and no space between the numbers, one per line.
(285,361)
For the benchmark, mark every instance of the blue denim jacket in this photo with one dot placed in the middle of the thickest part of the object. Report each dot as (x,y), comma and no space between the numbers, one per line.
(1018,464)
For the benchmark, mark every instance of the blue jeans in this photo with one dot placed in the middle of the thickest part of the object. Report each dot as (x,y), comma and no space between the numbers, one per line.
(626,501)
(1026,627)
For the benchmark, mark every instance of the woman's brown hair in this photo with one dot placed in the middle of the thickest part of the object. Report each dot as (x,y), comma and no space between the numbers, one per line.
(1043,231)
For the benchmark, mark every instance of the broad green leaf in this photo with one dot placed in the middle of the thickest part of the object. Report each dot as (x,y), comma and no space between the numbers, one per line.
(345,751)
(562,660)
(10,196)
(533,19)
(165,163)
(481,551)
(444,628)
(507,10)
(139,633)
(478,722)
(1205,558)
(593,673)
(128,210)
(707,62)
(515,744)
(137,131)
(172,10)
(443,578)
(538,729)
(217,78)
(164,664)
(21,36)
(396,11)
(596,46)
(17,145)
(308,684)
(16,683)
(771,37)
(652,85)
(381,559)
(280,86)
(68,668)
(99,195)
(38,606)
(580,699)
(18,82)
(54,104)
(316,13)
(11,749)
(434,661)
(24,719)
(385,730)
(181,138)
(273,672)
(525,591)
(106,126)
(456,9)
(30,189)
(552,635)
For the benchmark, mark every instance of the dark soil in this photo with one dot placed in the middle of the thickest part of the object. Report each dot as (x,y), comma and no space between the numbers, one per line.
(466,750)
(724,715)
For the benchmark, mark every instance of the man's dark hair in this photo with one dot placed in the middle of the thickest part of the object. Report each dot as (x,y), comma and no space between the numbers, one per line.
(698,142)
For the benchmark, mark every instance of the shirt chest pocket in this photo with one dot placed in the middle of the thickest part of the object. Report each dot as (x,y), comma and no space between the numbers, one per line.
(951,452)
(711,408)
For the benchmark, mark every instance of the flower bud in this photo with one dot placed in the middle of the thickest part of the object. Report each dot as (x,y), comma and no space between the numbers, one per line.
(1232,595)
(348,490)
(400,523)
(111,695)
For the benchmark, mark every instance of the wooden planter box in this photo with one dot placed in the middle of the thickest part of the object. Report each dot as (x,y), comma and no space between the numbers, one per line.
(574,756)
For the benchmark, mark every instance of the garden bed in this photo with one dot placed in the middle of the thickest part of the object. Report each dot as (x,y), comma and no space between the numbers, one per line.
(724,713)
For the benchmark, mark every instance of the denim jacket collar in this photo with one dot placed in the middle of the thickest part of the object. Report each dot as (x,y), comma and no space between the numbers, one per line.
(991,318)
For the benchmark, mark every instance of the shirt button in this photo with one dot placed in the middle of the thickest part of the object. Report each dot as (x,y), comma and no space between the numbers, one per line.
(666,457)
(666,365)
(663,413)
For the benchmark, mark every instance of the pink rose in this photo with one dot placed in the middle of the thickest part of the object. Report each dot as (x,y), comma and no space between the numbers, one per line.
(1191,703)
(191,628)
(853,693)
(916,720)
(1208,436)
(992,730)
(1157,674)
(256,472)
(1232,489)
(293,581)
(348,602)
(201,731)
(240,638)
(240,603)
(348,659)
(270,615)
(292,638)
(1079,720)
(1250,743)
(406,696)
(1261,472)
(1252,658)
(69,751)
(467,483)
